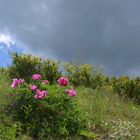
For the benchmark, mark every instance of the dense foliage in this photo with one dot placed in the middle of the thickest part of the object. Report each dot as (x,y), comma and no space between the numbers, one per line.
(46,110)
(24,66)
(127,87)
(49,106)
(85,75)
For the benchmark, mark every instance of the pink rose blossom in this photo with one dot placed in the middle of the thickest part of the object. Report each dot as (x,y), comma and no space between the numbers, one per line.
(44,82)
(71,92)
(40,94)
(36,76)
(14,83)
(33,87)
(63,81)
(20,81)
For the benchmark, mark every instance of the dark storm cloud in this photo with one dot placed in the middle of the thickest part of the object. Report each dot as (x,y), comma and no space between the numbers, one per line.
(107,31)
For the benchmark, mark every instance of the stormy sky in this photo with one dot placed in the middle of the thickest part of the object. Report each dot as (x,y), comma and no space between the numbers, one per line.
(107,31)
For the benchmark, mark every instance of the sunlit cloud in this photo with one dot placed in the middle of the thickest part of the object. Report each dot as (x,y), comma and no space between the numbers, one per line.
(6,42)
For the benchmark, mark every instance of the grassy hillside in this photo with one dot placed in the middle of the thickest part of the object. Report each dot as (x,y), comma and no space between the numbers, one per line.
(107,114)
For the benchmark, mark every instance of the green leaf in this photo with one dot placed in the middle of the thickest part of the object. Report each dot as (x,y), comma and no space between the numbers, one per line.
(87,134)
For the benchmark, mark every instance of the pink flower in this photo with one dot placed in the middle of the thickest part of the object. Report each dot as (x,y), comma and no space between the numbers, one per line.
(40,94)
(33,87)
(20,81)
(71,92)
(44,82)
(63,81)
(36,76)
(14,83)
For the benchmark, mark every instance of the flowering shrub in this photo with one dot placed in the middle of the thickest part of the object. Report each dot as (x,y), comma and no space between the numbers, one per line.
(48,110)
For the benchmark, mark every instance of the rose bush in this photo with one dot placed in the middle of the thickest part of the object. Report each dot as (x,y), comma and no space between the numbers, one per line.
(47,110)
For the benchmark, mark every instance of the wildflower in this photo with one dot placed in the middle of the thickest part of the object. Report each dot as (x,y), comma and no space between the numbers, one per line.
(20,81)
(71,92)
(40,94)
(33,87)
(14,83)
(44,82)
(63,81)
(36,76)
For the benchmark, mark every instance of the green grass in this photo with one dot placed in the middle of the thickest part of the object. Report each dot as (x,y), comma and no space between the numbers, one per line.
(102,108)
(8,128)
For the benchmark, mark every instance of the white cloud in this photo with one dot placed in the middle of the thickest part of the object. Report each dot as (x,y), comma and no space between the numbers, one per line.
(6,42)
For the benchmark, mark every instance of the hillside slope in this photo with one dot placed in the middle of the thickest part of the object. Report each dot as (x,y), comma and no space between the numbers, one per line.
(108,115)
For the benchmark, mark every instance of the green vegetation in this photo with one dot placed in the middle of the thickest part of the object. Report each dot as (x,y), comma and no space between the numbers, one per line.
(25,65)
(109,106)
(57,115)
(104,110)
